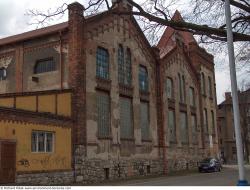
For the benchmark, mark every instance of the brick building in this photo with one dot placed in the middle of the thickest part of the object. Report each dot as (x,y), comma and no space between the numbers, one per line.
(134,109)
(226,134)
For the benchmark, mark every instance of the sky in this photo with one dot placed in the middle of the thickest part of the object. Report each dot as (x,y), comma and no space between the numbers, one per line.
(13,20)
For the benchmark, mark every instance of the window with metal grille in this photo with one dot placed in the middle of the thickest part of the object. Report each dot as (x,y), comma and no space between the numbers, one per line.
(194,129)
(103,114)
(45,65)
(3,73)
(191,96)
(210,92)
(102,63)
(169,88)
(42,141)
(126,118)
(143,78)
(205,121)
(144,120)
(171,125)
(124,66)
(184,127)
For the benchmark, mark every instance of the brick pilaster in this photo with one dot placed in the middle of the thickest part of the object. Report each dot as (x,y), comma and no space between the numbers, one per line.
(77,72)
(19,68)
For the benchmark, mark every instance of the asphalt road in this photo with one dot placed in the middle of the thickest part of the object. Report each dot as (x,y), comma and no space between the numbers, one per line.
(227,177)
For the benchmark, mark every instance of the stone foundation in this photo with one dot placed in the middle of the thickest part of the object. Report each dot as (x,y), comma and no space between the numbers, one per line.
(51,178)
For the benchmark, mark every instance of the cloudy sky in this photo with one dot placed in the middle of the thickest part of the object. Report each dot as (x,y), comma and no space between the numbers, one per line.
(13,20)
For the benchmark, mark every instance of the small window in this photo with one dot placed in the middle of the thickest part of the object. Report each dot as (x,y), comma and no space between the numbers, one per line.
(169,88)
(102,63)
(3,74)
(45,65)
(143,78)
(42,141)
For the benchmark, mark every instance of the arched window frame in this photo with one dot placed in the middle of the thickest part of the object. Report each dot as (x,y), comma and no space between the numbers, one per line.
(3,73)
(143,78)
(102,63)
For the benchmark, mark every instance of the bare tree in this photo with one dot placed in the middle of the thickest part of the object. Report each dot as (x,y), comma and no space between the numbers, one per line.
(204,18)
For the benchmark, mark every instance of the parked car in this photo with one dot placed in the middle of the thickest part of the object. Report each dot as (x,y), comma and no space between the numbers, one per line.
(210,165)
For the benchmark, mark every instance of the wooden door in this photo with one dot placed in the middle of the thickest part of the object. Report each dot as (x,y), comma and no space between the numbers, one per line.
(7,162)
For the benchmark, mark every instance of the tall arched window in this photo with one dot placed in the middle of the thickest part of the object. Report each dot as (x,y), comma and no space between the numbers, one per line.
(124,66)
(143,78)
(3,73)
(203,84)
(210,92)
(169,88)
(128,72)
(120,64)
(45,65)
(102,63)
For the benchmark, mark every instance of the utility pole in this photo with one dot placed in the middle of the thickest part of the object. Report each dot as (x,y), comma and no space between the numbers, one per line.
(242,180)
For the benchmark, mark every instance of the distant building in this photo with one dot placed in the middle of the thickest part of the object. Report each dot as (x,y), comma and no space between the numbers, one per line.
(226,132)
(90,100)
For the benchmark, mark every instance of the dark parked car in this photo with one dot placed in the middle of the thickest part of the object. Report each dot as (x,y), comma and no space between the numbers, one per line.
(210,165)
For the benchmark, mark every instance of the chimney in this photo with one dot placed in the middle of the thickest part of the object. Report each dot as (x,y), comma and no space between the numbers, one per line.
(122,4)
(228,95)
(77,72)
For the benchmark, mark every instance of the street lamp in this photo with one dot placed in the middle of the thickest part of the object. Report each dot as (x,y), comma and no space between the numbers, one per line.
(242,180)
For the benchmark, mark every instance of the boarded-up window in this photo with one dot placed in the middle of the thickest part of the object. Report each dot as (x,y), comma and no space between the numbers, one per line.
(191,96)
(103,114)
(42,141)
(171,125)
(194,129)
(144,120)
(102,63)
(45,65)
(143,78)
(205,122)
(169,88)
(126,119)
(184,127)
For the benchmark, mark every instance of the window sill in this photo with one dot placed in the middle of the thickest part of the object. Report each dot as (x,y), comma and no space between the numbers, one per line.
(146,140)
(104,138)
(127,139)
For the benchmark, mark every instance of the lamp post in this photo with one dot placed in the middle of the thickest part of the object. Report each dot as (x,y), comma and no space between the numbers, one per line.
(242,180)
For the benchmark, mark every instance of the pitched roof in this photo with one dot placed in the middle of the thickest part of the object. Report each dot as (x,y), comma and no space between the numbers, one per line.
(166,44)
(34,33)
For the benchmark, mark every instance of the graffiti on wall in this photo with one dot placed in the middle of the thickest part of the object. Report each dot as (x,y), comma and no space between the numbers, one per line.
(45,162)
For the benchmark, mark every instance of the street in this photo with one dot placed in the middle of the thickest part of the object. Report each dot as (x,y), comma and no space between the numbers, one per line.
(227,177)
